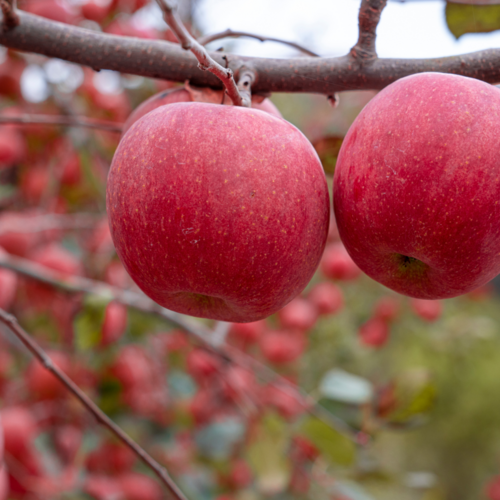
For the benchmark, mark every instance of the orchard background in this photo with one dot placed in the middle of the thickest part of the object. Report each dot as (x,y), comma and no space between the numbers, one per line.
(351,392)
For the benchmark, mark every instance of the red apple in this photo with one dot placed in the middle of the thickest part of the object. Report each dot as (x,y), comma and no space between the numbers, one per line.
(336,263)
(429,310)
(4,483)
(19,430)
(493,488)
(326,297)
(217,211)
(299,314)
(247,333)
(51,10)
(375,333)
(43,384)
(68,440)
(417,186)
(240,474)
(387,309)
(280,346)
(137,486)
(17,242)
(174,95)
(202,364)
(286,400)
(12,146)
(114,324)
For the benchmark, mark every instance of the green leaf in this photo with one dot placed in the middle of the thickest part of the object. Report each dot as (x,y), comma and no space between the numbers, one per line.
(7,191)
(267,455)
(415,395)
(342,386)
(334,446)
(88,322)
(463,18)
(328,149)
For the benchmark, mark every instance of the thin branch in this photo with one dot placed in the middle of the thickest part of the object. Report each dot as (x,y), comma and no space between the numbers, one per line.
(9,14)
(369,17)
(205,62)
(11,322)
(160,59)
(204,40)
(67,121)
(37,223)
(245,81)
(202,334)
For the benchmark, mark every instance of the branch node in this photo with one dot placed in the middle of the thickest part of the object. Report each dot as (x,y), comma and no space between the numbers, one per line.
(369,17)
(205,62)
(10,17)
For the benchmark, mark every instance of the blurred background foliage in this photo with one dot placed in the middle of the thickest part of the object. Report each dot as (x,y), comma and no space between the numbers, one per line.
(411,388)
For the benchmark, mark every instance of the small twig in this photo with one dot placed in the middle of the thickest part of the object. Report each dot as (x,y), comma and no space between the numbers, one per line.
(11,19)
(205,62)
(66,121)
(77,284)
(245,81)
(37,223)
(369,17)
(197,330)
(11,322)
(236,34)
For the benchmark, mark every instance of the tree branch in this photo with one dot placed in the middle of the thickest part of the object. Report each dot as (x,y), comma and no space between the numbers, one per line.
(9,14)
(67,121)
(159,59)
(202,334)
(205,62)
(369,17)
(236,34)
(76,284)
(37,223)
(11,322)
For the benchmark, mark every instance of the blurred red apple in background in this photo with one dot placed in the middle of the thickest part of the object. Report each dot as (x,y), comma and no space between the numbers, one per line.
(375,332)
(417,184)
(326,297)
(336,263)
(218,211)
(429,310)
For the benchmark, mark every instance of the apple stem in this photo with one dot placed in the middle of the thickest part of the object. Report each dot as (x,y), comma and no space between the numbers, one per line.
(205,62)
(236,34)
(35,349)
(368,19)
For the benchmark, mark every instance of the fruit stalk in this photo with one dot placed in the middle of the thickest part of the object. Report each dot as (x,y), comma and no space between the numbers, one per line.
(205,62)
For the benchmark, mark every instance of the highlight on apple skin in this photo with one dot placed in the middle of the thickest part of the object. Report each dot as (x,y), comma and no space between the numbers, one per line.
(416,187)
(218,211)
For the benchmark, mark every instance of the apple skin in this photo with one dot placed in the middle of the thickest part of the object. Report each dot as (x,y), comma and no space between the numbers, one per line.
(218,211)
(416,187)
(171,96)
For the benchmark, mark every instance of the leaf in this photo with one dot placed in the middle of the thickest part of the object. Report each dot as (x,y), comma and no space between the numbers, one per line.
(7,191)
(334,446)
(267,455)
(415,396)
(352,491)
(88,322)
(463,18)
(328,149)
(345,387)
(217,440)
